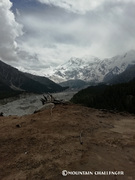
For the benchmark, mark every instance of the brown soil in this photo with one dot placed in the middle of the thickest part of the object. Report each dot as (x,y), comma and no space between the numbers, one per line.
(40,146)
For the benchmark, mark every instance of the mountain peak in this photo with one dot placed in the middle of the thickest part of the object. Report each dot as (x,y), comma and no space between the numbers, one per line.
(91,68)
(74,60)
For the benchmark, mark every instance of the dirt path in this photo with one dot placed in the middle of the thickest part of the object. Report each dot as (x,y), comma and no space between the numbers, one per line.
(41,145)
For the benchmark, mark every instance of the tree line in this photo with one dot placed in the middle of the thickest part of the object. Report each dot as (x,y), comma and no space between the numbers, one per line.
(120,97)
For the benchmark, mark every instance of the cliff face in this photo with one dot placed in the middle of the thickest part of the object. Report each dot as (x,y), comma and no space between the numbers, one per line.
(41,145)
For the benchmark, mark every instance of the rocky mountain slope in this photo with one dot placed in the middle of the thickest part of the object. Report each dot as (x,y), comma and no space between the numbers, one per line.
(123,77)
(14,79)
(92,68)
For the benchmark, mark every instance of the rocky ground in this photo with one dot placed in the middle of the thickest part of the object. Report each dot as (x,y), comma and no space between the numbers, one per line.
(41,145)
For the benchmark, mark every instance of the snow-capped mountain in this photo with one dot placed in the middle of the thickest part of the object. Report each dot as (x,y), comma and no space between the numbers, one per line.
(90,68)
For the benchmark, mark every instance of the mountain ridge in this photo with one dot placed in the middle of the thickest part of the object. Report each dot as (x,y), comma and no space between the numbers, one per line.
(92,69)
(11,79)
(125,76)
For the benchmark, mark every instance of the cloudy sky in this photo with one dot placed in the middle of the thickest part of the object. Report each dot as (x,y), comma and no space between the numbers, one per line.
(36,34)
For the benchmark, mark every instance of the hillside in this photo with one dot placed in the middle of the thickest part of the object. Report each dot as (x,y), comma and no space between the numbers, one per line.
(6,91)
(19,81)
(74,84)
(44,145)
(123,77)
(120,97)
(45,81)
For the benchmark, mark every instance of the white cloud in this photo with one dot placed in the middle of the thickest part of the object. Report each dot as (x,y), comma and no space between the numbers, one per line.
(61,29)
(56,35)
(81,6)
(77,6)
(9,31)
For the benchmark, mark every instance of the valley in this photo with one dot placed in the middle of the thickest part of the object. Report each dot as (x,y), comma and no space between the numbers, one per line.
(67,90)
(27,103)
